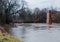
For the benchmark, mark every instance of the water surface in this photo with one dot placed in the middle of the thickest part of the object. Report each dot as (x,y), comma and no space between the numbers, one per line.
(36,32)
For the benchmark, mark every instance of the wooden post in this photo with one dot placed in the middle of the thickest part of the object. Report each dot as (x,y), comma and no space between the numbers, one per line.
(49,18)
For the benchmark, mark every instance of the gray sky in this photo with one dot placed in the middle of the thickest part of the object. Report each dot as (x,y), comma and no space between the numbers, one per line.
(43,3)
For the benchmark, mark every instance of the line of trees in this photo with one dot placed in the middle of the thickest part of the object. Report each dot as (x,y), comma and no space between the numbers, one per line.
(11,10)
(37,15)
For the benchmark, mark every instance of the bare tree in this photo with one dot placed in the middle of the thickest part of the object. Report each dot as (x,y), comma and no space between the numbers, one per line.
(8,8)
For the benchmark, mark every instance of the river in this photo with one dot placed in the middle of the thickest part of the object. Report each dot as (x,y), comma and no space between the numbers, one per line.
(36,32)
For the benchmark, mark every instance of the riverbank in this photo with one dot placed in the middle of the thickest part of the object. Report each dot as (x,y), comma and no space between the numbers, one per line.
(5,35)
(8,39)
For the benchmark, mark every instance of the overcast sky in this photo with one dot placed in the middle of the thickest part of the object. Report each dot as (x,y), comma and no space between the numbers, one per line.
(43,3)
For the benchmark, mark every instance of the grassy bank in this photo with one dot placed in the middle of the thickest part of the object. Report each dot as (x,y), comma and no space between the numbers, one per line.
(5,35)
(8,39)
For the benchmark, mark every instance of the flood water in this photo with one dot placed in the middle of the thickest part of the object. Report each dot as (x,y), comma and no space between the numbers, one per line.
(36,32)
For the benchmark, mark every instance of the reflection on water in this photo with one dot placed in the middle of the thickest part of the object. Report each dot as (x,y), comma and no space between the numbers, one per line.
(28,32)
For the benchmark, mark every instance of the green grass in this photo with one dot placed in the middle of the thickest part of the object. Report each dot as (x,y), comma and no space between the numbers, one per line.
(8,39)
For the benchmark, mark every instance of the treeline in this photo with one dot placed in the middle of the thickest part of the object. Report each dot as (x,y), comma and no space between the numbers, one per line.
(37,15)
(11,11)
(32,16)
